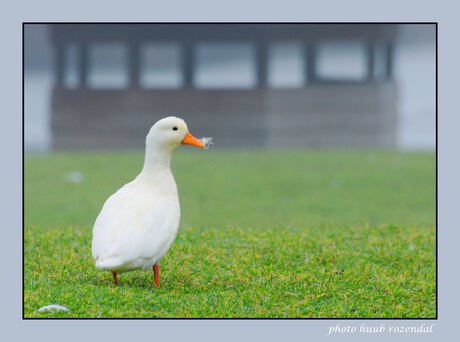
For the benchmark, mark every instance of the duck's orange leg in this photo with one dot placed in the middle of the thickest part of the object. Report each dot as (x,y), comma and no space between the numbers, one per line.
(156,272)
(115,279)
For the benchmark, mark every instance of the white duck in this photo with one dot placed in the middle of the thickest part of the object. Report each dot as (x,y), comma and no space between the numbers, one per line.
(139,222)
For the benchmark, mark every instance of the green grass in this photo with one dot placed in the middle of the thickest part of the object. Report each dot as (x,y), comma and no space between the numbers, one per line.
(250,220)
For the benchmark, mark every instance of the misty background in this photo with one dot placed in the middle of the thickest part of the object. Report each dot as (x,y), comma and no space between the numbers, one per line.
(232,65)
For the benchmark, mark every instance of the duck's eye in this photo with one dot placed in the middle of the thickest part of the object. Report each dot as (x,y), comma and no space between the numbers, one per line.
(174,128)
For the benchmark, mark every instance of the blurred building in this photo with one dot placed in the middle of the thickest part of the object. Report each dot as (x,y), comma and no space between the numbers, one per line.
(274,85)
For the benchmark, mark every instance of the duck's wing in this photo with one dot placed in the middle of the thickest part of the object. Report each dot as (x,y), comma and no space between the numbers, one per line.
(105,230)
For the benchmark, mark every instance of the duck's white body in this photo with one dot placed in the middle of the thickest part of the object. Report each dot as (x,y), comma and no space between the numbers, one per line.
(139,222)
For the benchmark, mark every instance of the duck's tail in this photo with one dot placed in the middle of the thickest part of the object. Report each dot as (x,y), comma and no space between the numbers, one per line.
(109,264)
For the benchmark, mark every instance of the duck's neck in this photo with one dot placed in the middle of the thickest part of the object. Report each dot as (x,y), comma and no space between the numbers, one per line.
(156,161)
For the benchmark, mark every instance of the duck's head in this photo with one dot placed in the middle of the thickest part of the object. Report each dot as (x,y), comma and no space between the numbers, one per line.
(169,133)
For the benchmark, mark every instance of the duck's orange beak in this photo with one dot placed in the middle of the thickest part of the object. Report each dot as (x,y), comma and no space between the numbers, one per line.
(191,140)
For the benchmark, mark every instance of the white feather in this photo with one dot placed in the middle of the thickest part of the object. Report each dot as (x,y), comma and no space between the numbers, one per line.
(207,141)
(50,307)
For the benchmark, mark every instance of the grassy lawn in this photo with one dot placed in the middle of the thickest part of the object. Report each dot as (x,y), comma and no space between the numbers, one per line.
(263,234)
